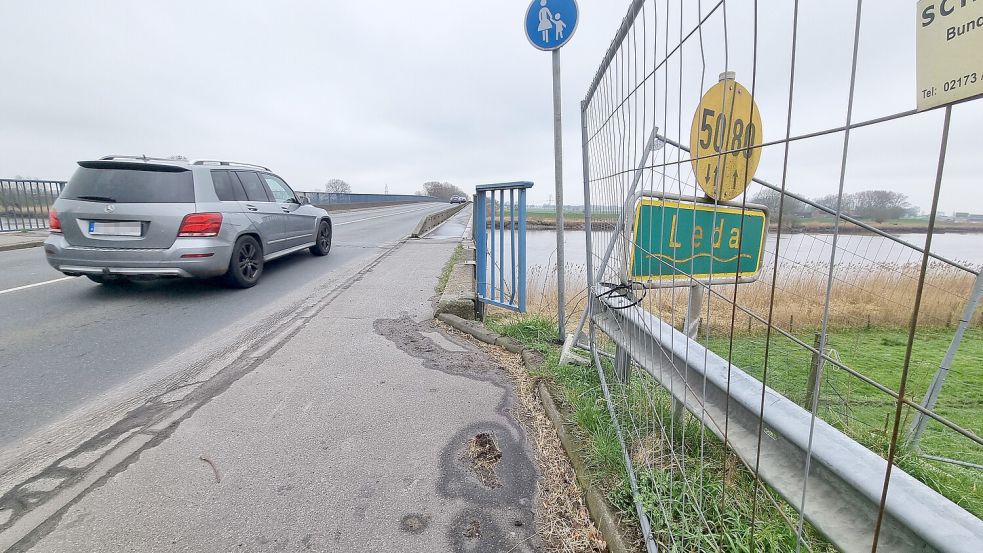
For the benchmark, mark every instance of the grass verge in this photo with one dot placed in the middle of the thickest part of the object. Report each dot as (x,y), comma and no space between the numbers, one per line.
(445,274)
(696,506)
(866,414)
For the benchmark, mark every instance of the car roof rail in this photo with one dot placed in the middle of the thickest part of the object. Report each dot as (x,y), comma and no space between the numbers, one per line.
(228,163)
(142,158)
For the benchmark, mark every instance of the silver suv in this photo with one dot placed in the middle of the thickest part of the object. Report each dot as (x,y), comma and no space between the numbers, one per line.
(127,217)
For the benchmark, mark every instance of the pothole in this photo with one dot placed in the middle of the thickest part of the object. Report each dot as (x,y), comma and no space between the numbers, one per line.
(481,455)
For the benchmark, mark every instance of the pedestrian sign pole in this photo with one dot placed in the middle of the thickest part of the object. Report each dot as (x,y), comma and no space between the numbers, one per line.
(549,25)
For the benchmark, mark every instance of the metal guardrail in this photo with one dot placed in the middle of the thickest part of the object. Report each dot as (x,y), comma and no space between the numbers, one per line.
(509,293)
(24,204)
(845,479)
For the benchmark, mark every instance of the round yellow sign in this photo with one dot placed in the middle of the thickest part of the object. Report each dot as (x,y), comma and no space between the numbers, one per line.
(724,139)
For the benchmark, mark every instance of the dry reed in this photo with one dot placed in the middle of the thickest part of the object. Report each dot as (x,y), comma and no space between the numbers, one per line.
(863,296)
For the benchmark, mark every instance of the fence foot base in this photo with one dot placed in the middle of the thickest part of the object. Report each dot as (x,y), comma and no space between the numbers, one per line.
(568,357)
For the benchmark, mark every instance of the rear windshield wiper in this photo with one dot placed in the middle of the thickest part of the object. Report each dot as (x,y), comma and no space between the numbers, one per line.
(97,199)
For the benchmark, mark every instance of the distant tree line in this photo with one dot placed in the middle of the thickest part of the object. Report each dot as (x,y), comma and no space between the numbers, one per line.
(338,186)
(436,189)
(876,205)
(441,190)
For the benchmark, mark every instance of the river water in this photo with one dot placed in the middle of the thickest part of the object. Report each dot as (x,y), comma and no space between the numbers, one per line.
(852,249)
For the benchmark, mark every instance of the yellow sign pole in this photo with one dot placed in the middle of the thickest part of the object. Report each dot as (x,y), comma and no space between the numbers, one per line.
(725,139)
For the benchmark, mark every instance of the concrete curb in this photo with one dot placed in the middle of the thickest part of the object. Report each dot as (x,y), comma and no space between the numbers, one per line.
(604,516)
(21,245)
(459,294)
(431,221)
(600,510)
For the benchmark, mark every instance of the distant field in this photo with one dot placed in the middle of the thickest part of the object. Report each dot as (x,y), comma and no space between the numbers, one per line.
(866,414)
(549,215)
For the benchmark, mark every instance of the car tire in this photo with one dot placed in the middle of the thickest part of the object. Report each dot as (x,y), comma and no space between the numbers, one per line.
(245,264)
(108,281)
(322,239)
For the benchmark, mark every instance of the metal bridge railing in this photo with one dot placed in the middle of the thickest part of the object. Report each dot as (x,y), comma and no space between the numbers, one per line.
(341,198)
(24,204)
(501,279)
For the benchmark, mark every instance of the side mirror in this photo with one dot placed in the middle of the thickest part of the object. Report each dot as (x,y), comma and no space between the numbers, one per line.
(303,200)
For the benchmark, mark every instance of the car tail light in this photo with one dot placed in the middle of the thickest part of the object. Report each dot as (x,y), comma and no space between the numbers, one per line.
(54,223)
(200,224)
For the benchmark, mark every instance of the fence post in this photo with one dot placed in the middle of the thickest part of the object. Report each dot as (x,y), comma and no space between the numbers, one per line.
(558,153)
(481,254)
(932,395)
(691,327)
(815,372)
(622,365)
(522,250)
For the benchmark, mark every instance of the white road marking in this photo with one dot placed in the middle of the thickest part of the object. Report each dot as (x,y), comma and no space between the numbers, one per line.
(379,216)
(26,286)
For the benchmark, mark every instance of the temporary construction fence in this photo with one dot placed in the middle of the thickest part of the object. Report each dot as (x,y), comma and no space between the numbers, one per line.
(735,342)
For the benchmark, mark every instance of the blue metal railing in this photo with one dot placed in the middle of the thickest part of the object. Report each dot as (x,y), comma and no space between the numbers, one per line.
(495,207)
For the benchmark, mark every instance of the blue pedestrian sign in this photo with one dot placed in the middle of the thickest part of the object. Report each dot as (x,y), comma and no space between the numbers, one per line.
(551,23)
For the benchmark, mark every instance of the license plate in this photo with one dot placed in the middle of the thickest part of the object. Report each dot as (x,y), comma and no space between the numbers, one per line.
(116,228)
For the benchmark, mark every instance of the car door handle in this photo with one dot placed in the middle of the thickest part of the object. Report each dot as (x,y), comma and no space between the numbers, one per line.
(251,207)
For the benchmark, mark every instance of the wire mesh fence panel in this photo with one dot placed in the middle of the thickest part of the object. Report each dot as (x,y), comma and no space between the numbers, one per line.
(768,355)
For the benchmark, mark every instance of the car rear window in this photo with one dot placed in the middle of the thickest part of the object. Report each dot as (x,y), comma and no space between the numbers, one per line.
(255,191)
(227,187)
(129,184)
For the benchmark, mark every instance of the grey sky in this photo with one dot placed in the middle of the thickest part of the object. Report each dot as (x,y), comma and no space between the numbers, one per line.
(397,93)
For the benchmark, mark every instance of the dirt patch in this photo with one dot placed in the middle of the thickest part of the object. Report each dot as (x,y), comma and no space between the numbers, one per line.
(473,531)
(493,477)
(480,456)
(563,522)
(414,523)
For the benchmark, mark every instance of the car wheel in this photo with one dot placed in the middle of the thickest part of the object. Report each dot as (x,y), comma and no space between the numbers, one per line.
(322,243)
(246,263)
(108,281)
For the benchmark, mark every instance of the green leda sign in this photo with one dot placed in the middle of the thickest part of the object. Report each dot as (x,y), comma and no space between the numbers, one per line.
(705,241)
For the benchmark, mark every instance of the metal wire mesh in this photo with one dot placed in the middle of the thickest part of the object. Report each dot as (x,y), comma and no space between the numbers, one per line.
(847,319)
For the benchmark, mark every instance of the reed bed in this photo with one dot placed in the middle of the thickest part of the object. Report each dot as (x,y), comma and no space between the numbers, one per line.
(862,296)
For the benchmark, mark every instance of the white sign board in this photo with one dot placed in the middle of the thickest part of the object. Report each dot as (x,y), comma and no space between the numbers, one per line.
(950,51)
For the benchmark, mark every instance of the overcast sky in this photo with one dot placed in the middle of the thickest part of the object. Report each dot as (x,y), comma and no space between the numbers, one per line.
(397,93)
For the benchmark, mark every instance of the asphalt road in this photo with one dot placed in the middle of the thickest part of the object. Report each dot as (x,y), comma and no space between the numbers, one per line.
(65,340)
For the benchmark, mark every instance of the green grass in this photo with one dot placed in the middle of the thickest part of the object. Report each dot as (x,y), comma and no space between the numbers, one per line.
(546,214)
(719,483)
(445,274)
(825,224)
(867,415)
